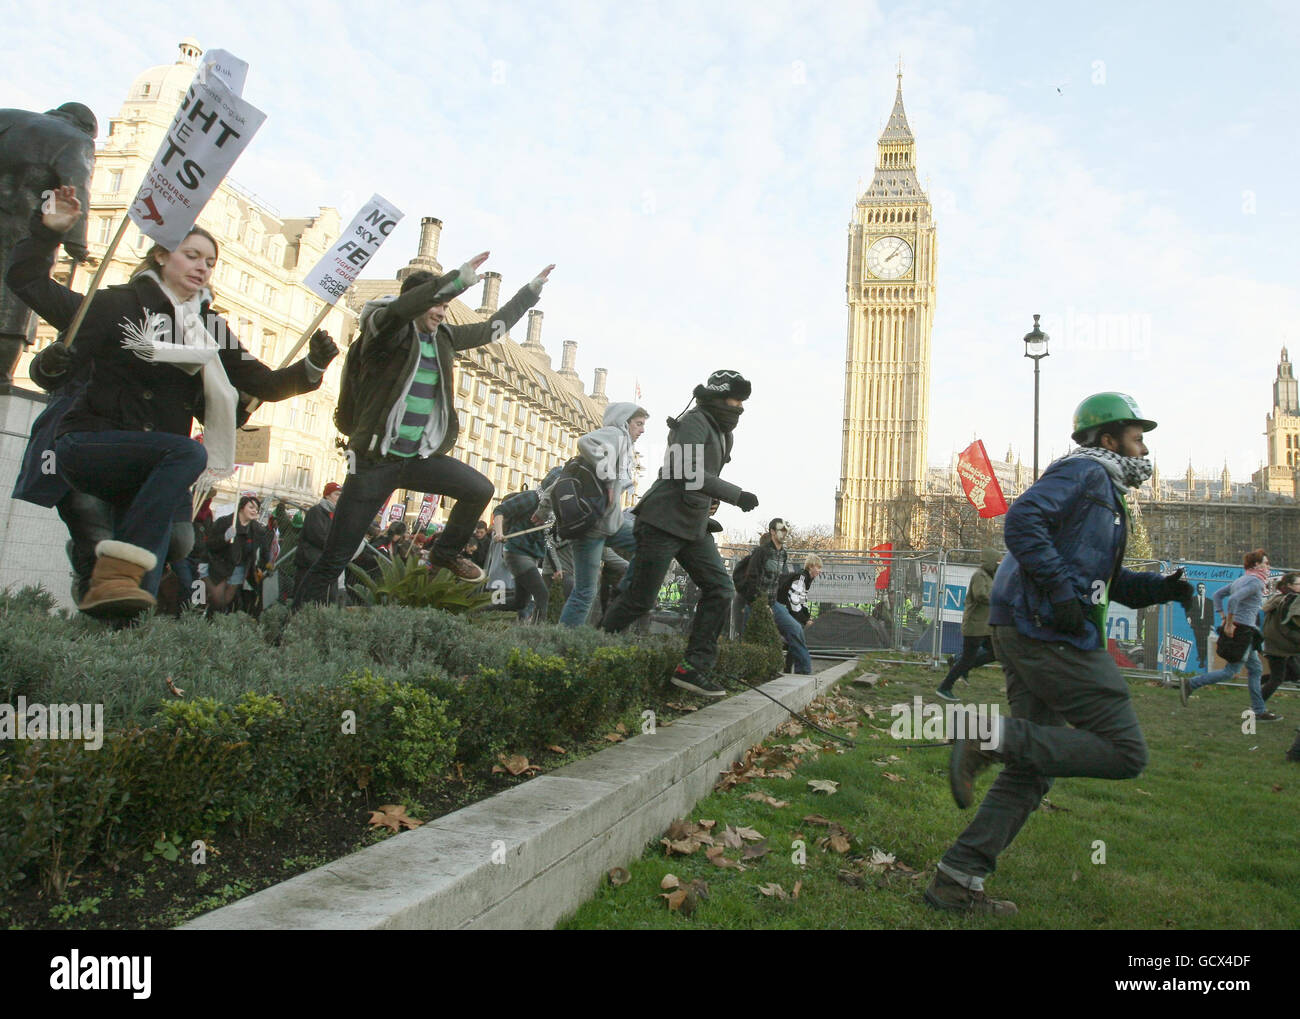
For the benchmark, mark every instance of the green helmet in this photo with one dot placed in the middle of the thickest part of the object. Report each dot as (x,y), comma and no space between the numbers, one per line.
(1104,409)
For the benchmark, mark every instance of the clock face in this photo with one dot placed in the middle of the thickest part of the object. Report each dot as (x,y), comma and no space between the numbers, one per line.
(889,258)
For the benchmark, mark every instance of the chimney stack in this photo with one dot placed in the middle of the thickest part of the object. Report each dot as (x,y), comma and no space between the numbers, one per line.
(567,362)
(533,344)
(491,293)
(598,386)
(430,233)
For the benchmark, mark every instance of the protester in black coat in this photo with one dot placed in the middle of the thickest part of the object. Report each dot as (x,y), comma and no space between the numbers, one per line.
(161,356)
(672,522)
(238,550)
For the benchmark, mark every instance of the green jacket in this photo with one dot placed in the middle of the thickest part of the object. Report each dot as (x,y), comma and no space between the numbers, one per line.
(390,354)
(679,500)
(975,617)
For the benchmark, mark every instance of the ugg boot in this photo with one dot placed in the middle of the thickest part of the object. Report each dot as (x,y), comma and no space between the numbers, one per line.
(115,590)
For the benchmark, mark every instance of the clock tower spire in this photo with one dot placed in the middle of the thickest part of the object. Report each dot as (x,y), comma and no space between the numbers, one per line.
(890,288)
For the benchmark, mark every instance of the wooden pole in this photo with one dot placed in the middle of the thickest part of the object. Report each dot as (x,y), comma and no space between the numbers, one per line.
(98,278)
(307,334)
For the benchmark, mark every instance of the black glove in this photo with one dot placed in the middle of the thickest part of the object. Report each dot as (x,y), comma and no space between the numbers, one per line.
(1175,588)
(1068,617)
(321,349)
(747,501)
(714,527)
(55,359)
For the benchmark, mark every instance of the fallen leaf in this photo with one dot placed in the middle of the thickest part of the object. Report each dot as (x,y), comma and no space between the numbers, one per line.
(700,887)
(1142,791)
(393,815)
(675,899)
(1277,788)
(619,876)
(771,801)
(716,857)
(798,885)
(755,851)
(707,825)
(682,847)
(680,829)
(749,834)
(516,764)
(852,879)
(839,843)
(782,773)
(668,882)
(1074,876)
(880,860)
(887,760)
(731,837)
(823,785)
(173,689)
(892,777)
(772,891)
(556,750)
(682,707)
(498,770)
(818,819)
(1047,806)
(613,737)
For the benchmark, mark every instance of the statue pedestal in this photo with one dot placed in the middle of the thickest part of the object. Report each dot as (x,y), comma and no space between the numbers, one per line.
(32,538)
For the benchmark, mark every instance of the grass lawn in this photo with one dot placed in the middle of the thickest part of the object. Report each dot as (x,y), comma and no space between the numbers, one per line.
(1204,838)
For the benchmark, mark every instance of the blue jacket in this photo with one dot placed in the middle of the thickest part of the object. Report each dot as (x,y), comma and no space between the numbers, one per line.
(1065,539)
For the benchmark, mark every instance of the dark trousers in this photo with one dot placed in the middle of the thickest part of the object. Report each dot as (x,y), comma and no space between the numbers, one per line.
(975,652)
(144,476)
(532,597)
(1048,686)
(366,491)
(1281,669)
(655,552)
(1202,646)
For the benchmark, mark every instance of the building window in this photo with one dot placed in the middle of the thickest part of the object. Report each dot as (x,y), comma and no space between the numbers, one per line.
(309,418)
(286,470)
(517,447)
(245,282)
(463,385)
(115,181)
(293,417)
(521,415)
(304,472)
(514,480)
(268,346)
(105,229)
(492,399)
(475,427)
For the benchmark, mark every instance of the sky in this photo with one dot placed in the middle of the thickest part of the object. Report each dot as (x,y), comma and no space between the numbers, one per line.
(1126,171)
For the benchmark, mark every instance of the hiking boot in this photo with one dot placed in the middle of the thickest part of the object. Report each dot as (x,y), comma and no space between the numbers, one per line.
(1294,753)
(1184,691)
(458,566)
(946,694)
(689,678)
(1267,716)
(115,591)
(946,893)
(967,761)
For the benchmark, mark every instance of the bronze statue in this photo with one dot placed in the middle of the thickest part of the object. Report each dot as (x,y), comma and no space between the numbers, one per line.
(38,153)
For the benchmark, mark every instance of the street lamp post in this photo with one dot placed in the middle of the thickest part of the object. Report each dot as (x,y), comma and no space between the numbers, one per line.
(1036,348)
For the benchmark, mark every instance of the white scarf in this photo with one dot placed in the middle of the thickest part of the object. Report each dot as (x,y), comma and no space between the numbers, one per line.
(190,348)
(1125,471)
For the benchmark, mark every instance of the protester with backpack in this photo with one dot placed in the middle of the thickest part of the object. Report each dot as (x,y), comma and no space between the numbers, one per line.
(1281,630)
(524,552)
(397,406)
(586,501)
(672,522)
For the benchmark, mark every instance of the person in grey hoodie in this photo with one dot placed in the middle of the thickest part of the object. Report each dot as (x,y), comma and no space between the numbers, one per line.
(609,452)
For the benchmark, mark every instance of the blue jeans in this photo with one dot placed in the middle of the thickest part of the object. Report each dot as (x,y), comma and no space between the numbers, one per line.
(586,571)
(144,476)
(1253,672)
(791,631)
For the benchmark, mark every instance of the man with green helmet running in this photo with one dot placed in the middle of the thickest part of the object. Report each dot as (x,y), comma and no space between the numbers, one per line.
(1065,540)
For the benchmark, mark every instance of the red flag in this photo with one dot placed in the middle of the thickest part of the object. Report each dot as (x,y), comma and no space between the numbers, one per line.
(882,578)
(979,482)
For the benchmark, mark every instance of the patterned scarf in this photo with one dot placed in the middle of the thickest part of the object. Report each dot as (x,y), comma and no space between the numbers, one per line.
(1125,471)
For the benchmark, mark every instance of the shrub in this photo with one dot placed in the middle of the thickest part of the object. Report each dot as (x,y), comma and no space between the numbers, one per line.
(408,582)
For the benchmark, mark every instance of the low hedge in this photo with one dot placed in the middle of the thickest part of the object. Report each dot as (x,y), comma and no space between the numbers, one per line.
(328,707)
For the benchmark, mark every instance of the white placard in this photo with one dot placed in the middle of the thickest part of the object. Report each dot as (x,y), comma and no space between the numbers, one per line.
(209,132)
(339,268)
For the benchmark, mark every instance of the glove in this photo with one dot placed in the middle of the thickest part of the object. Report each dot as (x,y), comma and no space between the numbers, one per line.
(55,359)
(321,349)
(714,527)
(1068,617)
(1175,588)
(747,501)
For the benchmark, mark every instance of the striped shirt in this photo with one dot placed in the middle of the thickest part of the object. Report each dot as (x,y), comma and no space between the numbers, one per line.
(420,401)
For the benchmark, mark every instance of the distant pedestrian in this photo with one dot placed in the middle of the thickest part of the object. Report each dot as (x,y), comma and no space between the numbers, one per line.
(792,613)
(976,634)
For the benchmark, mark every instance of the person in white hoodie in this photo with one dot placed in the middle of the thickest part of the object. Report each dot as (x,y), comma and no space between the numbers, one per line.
(609,451)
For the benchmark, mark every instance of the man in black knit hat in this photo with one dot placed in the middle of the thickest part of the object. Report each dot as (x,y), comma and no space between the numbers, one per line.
(672,522)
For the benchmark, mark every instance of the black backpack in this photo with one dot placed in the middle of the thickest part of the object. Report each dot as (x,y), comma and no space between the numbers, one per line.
(741,580)
(578,498)
(350,383)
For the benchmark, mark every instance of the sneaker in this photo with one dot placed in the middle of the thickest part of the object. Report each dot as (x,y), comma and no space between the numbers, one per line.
(1184,690)
(688,678)
(458,566)
(967,761)
(1293,754)
(946,893)
(947,695)
(1267,716)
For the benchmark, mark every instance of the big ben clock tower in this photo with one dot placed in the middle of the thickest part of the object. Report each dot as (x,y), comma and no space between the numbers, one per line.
(890,290)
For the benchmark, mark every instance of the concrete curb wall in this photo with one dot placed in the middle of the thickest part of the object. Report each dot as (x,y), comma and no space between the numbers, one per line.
(559,834)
